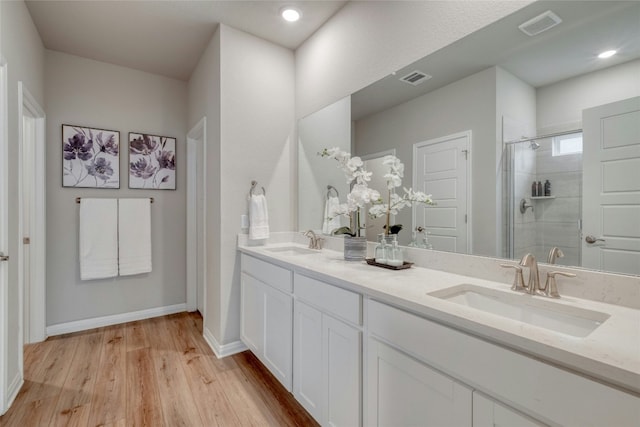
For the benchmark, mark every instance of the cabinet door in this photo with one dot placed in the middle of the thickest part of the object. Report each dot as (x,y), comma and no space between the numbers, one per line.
(307,359)
(404,392)
(278,334)
(252,314)
(488,413)
(341,354)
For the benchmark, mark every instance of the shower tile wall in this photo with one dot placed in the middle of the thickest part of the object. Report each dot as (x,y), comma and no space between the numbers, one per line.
(557,219)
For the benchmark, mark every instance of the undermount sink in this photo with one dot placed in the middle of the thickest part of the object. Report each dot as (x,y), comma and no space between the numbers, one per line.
(574,321)
(292,250)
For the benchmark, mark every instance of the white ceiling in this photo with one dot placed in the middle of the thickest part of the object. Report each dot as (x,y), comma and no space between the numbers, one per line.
(166,37)
(565,51)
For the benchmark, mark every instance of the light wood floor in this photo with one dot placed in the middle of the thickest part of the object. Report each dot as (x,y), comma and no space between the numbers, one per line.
(156,372)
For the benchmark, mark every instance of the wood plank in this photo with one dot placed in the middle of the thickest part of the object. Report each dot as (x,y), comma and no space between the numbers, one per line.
(282,403)
(47,379)
(109,398)
(33,413)
(240,394)
(178,406)
(143,403)
(136,336)
(74,402)
(209,397)
(152,372)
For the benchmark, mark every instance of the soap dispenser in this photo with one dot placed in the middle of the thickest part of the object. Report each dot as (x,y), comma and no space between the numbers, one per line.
(380,252)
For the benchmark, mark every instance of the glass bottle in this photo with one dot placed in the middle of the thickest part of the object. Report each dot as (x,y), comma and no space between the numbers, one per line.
(380,253)
(394,255)
(425,242)
(414,240)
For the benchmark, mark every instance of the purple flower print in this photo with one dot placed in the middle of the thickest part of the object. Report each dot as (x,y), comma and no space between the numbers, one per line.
(109,146)
(144,145)
(100,168)
(142,170)
(77,147)
(166,159)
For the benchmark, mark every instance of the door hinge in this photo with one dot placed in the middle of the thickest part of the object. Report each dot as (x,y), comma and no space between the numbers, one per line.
(26,240)
(465,218)
(466,154)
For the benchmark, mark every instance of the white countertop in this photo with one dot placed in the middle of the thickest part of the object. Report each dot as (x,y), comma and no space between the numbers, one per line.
(610,354)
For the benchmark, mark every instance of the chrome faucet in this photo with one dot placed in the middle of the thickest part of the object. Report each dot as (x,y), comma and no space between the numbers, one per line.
(315,242)
(533,285)
(554,253)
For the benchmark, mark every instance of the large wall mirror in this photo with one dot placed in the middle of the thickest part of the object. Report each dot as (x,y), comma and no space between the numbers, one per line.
(479,123)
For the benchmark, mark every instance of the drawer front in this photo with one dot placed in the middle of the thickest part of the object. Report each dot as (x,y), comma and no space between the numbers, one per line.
(540,390)
(272,275)
(330,299)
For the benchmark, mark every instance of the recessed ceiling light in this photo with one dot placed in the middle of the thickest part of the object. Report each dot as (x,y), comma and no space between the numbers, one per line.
(290,14)
(607,54)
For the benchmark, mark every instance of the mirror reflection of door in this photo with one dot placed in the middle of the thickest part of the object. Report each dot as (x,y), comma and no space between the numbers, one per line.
(373,163)
(611,191)
(441,168)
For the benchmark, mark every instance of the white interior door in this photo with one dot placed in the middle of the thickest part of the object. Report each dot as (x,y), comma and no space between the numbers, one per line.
(611,187)
(196,214)
(32,217)
(442,168)
(28,217)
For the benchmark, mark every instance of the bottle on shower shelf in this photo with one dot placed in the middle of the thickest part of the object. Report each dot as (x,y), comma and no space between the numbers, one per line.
(539,190)
(547,188)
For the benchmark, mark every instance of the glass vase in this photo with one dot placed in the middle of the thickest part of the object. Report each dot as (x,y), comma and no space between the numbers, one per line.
(355,248)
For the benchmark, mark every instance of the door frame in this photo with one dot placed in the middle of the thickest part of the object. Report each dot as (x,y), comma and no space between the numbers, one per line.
(469,135)
(37,295)
(197,135)
(5,398)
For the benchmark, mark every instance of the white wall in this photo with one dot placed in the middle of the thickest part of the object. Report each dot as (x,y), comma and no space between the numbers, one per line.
(329,127)
(468,104)
(204,101)
(254,136)
(365,41)
(89,93)
(560,104)
(24,52)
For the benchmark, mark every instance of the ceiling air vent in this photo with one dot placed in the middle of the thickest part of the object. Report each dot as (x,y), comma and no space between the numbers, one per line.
(415,78)
(540,23)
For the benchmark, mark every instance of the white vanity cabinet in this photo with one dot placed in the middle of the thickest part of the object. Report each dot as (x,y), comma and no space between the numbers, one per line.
(327,352)
(405,392)
(402,345)
(489,413)
(267,315)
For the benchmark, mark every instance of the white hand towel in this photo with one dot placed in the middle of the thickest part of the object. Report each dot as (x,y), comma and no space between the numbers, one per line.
(134,236)
(258,217)
(330,222)
(98,238)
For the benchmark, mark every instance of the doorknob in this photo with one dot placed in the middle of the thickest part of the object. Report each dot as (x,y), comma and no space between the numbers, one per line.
(592,239)
(4,257)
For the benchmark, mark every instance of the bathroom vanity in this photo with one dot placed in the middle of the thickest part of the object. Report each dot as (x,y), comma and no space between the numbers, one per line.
(358,345)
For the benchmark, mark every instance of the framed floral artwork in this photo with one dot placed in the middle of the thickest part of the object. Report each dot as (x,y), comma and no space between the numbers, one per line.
(152,161)
(90,157)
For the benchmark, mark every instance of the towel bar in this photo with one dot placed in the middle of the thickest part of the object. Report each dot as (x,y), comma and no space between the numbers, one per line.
(80,198)
(253,186)
(331,187)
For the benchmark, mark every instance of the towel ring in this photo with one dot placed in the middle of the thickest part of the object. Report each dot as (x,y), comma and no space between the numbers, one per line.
(253,186)
(331,187)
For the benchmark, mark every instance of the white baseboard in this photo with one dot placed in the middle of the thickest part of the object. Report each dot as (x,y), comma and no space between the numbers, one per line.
(14,389)
(222,350)
(115,319)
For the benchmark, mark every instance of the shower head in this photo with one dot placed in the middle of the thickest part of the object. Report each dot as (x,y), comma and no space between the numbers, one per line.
(534,145)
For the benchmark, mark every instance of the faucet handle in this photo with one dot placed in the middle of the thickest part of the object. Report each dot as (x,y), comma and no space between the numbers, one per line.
(319,242)
(518,280)
(550,286)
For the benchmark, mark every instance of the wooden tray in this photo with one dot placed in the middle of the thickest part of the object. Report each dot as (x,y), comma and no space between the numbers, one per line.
(404,266)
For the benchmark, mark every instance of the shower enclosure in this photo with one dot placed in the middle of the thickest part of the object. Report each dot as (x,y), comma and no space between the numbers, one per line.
(536,222)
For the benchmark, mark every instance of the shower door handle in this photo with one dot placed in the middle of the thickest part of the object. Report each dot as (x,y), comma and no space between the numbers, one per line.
(593,239)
